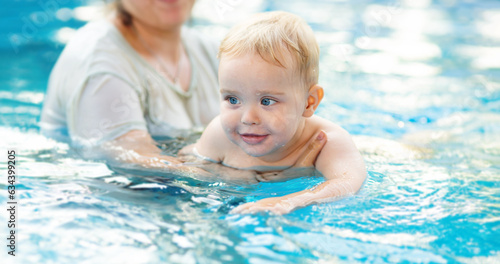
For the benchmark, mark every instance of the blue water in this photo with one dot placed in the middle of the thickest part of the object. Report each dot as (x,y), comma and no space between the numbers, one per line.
(417,83)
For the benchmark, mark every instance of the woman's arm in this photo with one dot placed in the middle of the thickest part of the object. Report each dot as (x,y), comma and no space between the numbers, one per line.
(108,123)
(137,146)
(136,150)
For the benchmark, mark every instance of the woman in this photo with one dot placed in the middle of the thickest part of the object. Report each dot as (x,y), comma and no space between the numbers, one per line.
(137,75)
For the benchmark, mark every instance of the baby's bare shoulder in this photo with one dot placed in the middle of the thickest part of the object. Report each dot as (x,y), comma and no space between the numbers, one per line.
(332,130)
(213,143)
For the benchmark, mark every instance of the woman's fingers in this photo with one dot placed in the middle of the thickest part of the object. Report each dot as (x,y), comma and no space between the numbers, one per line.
(170,160)
(304,165)
(315,146)
(193,172)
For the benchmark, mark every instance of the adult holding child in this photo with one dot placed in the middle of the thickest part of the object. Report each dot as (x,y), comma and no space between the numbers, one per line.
(137,75)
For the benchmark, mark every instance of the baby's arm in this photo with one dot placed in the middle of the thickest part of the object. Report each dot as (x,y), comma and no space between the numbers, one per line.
(343,168)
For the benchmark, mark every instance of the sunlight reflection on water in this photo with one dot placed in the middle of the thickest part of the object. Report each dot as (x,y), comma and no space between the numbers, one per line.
(415,82)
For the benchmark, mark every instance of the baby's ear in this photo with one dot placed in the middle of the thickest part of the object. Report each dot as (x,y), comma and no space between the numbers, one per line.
(314,98)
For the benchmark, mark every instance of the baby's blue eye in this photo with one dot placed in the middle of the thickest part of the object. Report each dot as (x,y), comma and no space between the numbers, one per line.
(233,100)
(267,101)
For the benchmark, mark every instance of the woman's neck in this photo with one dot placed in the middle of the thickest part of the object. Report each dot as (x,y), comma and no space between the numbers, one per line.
(165,43)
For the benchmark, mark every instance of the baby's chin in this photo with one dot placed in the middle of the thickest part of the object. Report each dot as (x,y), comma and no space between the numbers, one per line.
(255,154)
(260,152)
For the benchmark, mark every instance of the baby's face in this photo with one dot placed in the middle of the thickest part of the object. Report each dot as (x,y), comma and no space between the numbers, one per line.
(262,105)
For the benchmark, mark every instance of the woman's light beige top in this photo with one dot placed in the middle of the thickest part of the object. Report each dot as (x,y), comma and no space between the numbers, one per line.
(100,88)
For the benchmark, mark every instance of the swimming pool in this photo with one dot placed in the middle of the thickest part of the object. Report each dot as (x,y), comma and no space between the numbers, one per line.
(416,82)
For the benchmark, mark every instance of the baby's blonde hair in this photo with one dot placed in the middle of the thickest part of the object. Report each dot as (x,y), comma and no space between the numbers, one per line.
(280,38)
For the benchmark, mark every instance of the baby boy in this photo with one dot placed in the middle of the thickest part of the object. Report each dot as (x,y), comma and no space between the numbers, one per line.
(268,78)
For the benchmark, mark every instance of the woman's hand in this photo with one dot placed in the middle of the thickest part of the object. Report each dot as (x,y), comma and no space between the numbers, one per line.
(304,165)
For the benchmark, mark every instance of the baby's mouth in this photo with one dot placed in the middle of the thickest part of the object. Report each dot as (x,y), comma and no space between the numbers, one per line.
(253,139)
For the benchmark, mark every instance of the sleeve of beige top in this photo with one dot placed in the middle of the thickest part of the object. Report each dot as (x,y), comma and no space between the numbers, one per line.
(108,107)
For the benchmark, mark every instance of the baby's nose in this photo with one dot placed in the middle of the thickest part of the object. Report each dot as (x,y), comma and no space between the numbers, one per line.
(250,116)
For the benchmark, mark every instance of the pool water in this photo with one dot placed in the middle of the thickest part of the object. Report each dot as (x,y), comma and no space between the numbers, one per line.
(417,84)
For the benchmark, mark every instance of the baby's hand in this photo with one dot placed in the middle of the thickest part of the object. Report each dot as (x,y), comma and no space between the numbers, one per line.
(276,205)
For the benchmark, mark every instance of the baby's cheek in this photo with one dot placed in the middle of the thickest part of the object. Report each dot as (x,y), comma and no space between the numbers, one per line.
(226,125)
(227,129)
(226,120)
(282,121)
(287,124)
